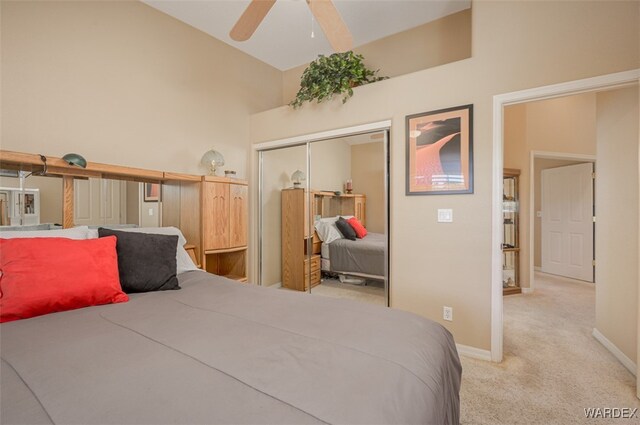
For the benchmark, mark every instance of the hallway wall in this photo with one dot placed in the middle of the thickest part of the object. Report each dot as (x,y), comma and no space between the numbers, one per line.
(617,218)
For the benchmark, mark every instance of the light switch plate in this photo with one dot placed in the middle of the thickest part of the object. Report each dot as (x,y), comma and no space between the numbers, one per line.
(445,215)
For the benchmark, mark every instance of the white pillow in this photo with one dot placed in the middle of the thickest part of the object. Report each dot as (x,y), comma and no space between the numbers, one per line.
(80,232)
(327,230)
(183,261)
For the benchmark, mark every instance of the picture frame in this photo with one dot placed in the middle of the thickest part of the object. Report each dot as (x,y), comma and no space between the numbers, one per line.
(152,192)
(439,149)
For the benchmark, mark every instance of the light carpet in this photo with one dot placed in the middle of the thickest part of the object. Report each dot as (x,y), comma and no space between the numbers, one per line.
(553,367)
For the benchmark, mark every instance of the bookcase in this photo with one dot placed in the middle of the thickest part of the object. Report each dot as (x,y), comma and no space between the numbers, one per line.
(511,232)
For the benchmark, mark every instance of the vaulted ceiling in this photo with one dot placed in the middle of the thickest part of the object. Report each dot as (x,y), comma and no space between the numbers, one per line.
(284,39)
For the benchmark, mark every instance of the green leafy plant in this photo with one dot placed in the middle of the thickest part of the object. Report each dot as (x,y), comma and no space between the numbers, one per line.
(336,74)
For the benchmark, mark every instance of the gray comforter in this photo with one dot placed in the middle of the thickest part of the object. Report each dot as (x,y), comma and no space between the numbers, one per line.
(366,255)
(221,352)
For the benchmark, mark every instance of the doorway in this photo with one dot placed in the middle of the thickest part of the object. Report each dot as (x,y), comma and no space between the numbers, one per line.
(314,191)
(606,82)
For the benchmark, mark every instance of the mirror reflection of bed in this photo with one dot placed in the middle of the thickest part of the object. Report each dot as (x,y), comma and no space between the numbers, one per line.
(302,246)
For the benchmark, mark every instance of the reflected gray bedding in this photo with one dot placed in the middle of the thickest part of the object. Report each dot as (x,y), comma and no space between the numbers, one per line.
(220,352)
(366,255)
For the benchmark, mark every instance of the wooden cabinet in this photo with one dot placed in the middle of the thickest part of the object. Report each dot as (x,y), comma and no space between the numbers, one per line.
(511,232)
(300,244)
(224,227)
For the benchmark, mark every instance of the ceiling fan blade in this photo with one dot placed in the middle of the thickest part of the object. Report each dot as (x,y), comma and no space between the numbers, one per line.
(250,19)
(332,24)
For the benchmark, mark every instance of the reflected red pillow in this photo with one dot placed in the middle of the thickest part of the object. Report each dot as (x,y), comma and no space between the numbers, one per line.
(46,275)
(361,232)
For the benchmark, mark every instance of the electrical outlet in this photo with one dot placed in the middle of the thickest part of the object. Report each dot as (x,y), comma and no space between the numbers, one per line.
(447,313)
(150,211)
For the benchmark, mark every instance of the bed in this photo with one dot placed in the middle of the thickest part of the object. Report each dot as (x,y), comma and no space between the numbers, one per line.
(136,334)
(217,351)
(361,257)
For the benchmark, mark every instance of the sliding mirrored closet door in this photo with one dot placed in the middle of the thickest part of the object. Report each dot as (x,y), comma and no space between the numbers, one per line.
(324,217)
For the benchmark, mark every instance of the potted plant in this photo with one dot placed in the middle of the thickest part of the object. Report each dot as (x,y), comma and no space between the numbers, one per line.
(336,74)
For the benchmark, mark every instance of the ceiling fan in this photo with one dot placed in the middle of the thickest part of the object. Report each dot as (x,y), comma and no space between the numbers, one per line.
(324,11)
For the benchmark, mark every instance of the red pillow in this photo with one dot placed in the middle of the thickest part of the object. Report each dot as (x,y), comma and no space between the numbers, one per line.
(45,275)
(361,232)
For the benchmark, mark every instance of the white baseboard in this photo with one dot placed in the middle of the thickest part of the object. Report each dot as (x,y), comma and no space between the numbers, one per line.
(275,285)
(527,290)
(566,279)
(473,352)
(622,358)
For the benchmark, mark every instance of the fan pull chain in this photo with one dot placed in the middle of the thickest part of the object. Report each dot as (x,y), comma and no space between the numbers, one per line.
(313,35)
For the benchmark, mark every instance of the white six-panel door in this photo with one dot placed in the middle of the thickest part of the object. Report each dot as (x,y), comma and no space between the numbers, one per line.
(98,201)
(567,221)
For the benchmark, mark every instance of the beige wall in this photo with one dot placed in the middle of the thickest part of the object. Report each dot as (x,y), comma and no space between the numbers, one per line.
(450,264)
(435,43)
(539,165)
(617,213)
(367,172)
(563,125)
(50,195)
(122,83)
(330,165)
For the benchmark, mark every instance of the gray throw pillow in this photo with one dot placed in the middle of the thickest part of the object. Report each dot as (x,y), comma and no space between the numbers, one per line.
(146,262)
(346,229)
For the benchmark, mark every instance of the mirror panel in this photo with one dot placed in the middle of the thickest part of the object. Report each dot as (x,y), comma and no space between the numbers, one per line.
(39,203)
(330,169)
(277,167)
(116,203)
(348,178)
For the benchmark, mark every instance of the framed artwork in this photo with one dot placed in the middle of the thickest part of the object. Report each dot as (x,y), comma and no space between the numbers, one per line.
(151,192)
(440,152)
